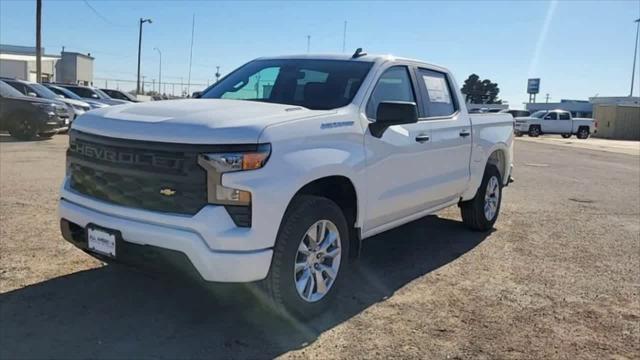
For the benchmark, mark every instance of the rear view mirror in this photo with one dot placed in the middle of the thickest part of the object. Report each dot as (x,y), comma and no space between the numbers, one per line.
(391,113)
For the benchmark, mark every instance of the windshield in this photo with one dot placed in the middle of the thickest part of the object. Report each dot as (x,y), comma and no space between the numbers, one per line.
(539,114)
(102,94)
(314,84)
(64,92)
(7,90)
(43,92)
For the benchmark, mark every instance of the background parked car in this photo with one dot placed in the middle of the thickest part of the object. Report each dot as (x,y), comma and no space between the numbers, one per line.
(76,107)
(87,92)
(26,117)
(516,113)
(71,95)
(120,95)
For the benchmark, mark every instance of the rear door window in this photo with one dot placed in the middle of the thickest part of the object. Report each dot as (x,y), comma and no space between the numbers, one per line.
(437,94)
(565,116)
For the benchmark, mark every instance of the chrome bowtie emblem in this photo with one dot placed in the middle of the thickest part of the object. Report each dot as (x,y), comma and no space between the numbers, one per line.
(167,192)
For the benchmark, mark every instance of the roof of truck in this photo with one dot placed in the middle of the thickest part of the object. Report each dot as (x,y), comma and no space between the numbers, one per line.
(366,58)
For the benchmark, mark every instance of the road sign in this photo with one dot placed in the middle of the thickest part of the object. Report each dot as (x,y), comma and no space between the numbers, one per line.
(533,86)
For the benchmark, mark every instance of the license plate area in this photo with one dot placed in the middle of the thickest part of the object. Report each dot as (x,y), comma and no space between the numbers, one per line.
(102,241)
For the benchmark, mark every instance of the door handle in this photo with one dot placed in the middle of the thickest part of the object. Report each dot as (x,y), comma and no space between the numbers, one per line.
(422,138)
(465,133)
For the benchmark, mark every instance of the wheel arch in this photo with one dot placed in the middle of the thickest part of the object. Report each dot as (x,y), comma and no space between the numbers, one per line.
(341,190)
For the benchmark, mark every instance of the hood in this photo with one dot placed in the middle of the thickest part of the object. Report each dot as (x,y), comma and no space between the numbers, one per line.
(75,102)
(191,121)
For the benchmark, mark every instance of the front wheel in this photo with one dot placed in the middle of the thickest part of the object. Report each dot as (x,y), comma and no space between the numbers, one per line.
(566,136)
(23,129)
(517,133)
(481,212)
(583,133)
(534,131)
(309,258)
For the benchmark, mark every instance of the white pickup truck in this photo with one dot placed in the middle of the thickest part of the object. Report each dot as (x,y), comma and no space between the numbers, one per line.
(280,170)
(554,122)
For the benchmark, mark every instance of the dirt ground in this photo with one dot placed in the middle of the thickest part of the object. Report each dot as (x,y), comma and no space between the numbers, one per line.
(558,278)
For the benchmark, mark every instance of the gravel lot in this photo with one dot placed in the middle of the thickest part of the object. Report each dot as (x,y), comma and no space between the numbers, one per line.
(558,278)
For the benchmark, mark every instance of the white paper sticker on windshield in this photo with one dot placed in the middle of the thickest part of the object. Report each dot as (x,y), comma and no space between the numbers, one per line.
(437,89)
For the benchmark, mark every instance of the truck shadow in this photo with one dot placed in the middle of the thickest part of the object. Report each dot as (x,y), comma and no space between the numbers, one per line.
(113,312)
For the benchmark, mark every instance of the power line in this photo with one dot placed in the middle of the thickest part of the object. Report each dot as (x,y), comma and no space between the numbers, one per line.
(98,14)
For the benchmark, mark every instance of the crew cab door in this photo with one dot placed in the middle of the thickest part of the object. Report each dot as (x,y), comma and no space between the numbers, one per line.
(564,122)
(413,167)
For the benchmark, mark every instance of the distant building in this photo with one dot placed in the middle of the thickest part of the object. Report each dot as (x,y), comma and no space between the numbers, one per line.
(69,67)
(20,62)
(577,108)
(75,68)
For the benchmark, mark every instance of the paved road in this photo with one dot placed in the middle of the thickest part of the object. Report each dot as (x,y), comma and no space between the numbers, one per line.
(558,278)
(617,146)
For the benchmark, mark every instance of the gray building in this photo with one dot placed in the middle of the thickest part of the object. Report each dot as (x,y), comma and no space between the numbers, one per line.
(69,67)
(75,68)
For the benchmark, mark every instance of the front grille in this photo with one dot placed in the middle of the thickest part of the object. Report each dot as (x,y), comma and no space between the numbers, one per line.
(146,175)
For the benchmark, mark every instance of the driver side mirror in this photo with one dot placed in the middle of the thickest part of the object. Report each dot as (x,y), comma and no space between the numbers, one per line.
(196,94)
(391,113)
(32,94)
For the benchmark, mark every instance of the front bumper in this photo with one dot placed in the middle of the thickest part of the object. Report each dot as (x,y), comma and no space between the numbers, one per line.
(210,264)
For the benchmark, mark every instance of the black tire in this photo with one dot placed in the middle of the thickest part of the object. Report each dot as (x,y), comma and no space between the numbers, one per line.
(566,136)
(534,131)
(583,133)
(518,134)
(47,135)
(22,128)
(303,212)
(473,211)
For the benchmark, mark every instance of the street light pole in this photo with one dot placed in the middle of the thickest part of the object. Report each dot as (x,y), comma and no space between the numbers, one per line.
(635,55)
(38,41)
(142,21)
(159,69)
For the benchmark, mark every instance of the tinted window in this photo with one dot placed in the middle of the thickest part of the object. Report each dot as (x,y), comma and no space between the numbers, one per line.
(82,92)
(42,91)
(8,91)
(64,92)
(439,101)
(551,116)
(565,116)
(19,87)
(393,85)
(315,84)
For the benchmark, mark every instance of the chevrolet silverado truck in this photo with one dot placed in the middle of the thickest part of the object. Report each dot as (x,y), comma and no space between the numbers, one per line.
(279,171)
(554,122)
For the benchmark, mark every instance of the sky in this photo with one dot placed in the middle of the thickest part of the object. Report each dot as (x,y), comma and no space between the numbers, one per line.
(578,48)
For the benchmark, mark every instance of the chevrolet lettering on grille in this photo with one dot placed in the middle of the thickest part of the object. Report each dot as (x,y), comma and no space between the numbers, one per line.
(124,157)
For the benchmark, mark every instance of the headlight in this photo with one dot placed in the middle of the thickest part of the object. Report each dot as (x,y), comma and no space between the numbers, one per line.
(217,164)
(50,108)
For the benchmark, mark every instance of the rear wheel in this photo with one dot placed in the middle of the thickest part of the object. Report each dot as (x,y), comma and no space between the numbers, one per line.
(311,252)
(566,136)
(23,129)
(583,133)
(534,131)
(481,212)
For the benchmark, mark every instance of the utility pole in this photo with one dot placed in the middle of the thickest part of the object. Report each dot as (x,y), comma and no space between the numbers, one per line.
(344,37)
(635,55)
(39,41)
(547,98)
(159,70)
(193,26)
(142,84)
(142,21)
(217,73)
(308,43)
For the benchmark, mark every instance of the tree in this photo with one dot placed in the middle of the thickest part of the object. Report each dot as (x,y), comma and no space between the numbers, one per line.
(479,91)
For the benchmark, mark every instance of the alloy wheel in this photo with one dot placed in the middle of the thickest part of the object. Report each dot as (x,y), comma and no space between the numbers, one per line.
(317,261)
